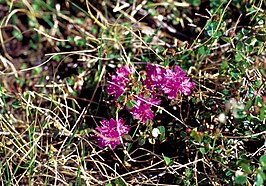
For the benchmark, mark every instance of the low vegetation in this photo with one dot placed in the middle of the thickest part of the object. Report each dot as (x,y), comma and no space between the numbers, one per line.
(132,92)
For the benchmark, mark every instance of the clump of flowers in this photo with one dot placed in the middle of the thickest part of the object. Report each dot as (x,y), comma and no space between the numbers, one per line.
(110,132)
(158,80)
(139,95)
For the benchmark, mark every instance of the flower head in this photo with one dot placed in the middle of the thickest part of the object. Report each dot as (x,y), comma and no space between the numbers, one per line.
(124,71)
(142,110)
(177,82)
(119,81)
(171,82)
(111,131)
(186,86)
(154,76)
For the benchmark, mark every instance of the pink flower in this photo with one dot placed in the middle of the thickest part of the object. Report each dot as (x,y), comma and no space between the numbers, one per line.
(124,71)
(154,76)
(117,85)
(176,82)
(186,86)
(110,132)
(171,82)
(142,110)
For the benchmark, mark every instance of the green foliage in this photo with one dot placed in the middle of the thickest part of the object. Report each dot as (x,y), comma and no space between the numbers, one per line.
(260,176)
(195,2)
(241,180)
(130,104)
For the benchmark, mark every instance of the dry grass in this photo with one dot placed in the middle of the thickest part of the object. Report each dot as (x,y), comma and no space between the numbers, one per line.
(55,61)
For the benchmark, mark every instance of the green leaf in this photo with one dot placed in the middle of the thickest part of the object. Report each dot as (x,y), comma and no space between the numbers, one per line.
(33,45)
(195,135)
(188,173)
(262,113)
(194,2)
(201,50)
(16,105)
(257,100)
(248,104)
(119,182)
(70,81)
(166,62)
(263,160)
(162,132)
(130,104)
(241,179)
(211,28)
(37,71)
(70,38)
(139,84)
(183,134)
(263,128)
(17,34)
(224,65)
(167,160)
(120,99)
(226,39)
(238,57)
(127,137)
(80,42)
(225,92)
(258,83)
(202,150)
(228,173)
(246,168)
(142,141)
(260,178)
(56,57)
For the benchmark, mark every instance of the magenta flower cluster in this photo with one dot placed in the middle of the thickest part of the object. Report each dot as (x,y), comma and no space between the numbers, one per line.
(110,132)
(119,81)
(171,82)
(141,96)
(142,109)
(158,80)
